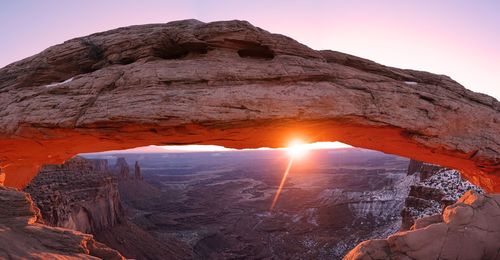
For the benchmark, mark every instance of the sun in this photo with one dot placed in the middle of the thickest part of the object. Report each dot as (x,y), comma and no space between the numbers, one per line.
(297,149)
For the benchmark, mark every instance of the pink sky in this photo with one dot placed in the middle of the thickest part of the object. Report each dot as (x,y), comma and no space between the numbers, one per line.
(453,37)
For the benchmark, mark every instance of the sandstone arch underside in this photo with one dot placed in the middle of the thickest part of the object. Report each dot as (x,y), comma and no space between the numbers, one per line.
(233,84)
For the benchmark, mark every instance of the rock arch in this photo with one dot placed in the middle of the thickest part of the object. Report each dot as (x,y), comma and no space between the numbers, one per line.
(233,84)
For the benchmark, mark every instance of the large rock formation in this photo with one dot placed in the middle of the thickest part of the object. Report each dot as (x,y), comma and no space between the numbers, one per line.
(21,237)
(121,168)
(434,189)
(81,194)
(137,171)
(233,84)
(468,229)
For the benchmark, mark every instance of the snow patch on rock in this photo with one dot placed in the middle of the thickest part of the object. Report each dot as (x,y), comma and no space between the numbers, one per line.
(450,182)
(411,83)
(59,83)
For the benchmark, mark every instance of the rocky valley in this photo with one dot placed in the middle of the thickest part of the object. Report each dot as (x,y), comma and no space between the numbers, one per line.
(219,203)
(233,84)
(216,205)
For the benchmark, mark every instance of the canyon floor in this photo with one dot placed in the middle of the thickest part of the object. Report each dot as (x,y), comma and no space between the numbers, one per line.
(218,203)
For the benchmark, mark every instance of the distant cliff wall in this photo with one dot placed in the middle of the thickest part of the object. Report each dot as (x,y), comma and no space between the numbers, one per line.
(434,189)
(80,194)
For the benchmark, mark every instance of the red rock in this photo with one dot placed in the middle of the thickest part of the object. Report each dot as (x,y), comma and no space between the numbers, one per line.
(80,194)
(375,249)
(21,237)
(426,221)
(233,84)
(2,177)
(469,230)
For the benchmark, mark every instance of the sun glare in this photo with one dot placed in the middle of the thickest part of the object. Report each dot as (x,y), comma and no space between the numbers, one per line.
(297,149)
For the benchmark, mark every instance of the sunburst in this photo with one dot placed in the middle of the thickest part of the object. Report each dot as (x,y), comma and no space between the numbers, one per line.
(296,149)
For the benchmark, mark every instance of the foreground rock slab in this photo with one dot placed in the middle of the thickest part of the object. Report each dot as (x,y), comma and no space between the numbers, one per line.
(468,229)
(21,237)
(233,84)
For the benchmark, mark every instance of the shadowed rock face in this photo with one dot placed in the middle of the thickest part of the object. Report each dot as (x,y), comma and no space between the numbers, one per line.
(81,194)
(232,84)
(121,168)
(467,229)
(21,237)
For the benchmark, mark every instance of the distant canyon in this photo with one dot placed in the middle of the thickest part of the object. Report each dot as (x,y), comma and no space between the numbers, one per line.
(215,205)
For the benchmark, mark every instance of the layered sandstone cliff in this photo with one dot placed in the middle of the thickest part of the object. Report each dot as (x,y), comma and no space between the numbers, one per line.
(83,194)
(22,237)
(80,194)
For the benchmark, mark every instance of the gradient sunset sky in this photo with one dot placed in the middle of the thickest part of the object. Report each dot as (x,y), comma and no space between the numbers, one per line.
(453,37)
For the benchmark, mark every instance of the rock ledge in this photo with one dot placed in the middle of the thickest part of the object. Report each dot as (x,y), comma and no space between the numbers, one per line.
(468,229)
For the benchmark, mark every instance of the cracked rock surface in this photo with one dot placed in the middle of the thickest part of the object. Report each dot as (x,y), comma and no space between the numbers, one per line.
(468,229)
(233,84)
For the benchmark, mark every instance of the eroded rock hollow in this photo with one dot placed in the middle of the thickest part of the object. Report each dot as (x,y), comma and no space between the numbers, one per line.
(233,84)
